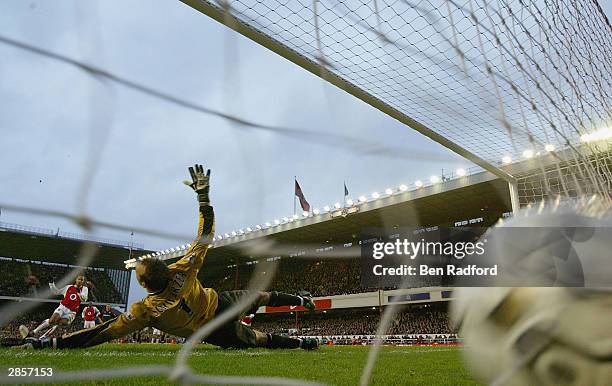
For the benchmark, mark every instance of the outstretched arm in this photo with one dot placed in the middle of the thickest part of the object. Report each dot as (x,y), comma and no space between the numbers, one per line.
(206,226)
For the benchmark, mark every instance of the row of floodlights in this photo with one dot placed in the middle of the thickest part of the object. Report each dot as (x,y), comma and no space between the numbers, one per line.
(529,153)
(605,133)
(602,134)
(183,247)
(327,208)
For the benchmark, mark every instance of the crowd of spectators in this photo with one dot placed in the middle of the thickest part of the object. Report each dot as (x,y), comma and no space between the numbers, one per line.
(428,322)
(27,279)
(417,320)
(319,277)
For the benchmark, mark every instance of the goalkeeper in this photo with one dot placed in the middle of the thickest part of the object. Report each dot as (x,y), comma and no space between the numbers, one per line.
(178,304)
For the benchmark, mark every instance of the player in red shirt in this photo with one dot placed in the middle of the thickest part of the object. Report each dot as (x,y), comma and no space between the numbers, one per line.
(65,313)
(89,315)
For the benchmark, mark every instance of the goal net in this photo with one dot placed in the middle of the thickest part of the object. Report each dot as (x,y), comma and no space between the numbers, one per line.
(497,82)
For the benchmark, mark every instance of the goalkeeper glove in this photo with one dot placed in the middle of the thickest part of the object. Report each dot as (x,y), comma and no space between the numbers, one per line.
(200,183)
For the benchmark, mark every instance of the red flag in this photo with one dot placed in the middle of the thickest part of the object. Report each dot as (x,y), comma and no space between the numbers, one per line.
(303,203)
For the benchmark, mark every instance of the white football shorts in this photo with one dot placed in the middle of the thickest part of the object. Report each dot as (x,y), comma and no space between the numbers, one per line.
(65,313)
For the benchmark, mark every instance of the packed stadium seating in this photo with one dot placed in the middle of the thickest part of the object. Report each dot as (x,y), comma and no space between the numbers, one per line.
(320,278)
(423,319)
(14,278)
(16,275)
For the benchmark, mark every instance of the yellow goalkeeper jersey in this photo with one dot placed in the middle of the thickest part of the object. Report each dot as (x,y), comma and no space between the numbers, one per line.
(184,305)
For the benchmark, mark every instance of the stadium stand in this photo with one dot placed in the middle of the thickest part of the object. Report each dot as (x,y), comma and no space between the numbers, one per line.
(229,268)
(431,318)
(25,278)
(326,277)
(321,255)
(320,278)
(31,257)
(478,201)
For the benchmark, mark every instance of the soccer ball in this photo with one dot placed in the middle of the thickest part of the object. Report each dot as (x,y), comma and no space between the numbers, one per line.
(543,335)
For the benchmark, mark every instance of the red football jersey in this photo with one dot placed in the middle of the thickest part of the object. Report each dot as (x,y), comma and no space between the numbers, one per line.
(72,298)
(90,313)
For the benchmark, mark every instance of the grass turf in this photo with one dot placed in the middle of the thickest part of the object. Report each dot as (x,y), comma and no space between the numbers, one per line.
(332,365)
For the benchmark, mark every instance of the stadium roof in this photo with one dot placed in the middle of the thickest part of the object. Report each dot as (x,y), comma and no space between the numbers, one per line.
(486,199)
(30,245)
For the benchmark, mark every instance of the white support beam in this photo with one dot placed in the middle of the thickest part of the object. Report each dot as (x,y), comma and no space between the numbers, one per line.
(514,197)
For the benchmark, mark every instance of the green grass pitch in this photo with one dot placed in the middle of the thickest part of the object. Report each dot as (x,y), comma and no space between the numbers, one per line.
(339,365)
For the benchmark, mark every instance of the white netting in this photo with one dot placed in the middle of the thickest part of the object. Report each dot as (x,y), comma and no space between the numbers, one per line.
(496,78)
(493,79)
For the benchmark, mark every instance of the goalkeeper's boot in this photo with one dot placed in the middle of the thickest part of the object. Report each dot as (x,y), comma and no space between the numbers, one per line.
(24,331)
(309,344)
